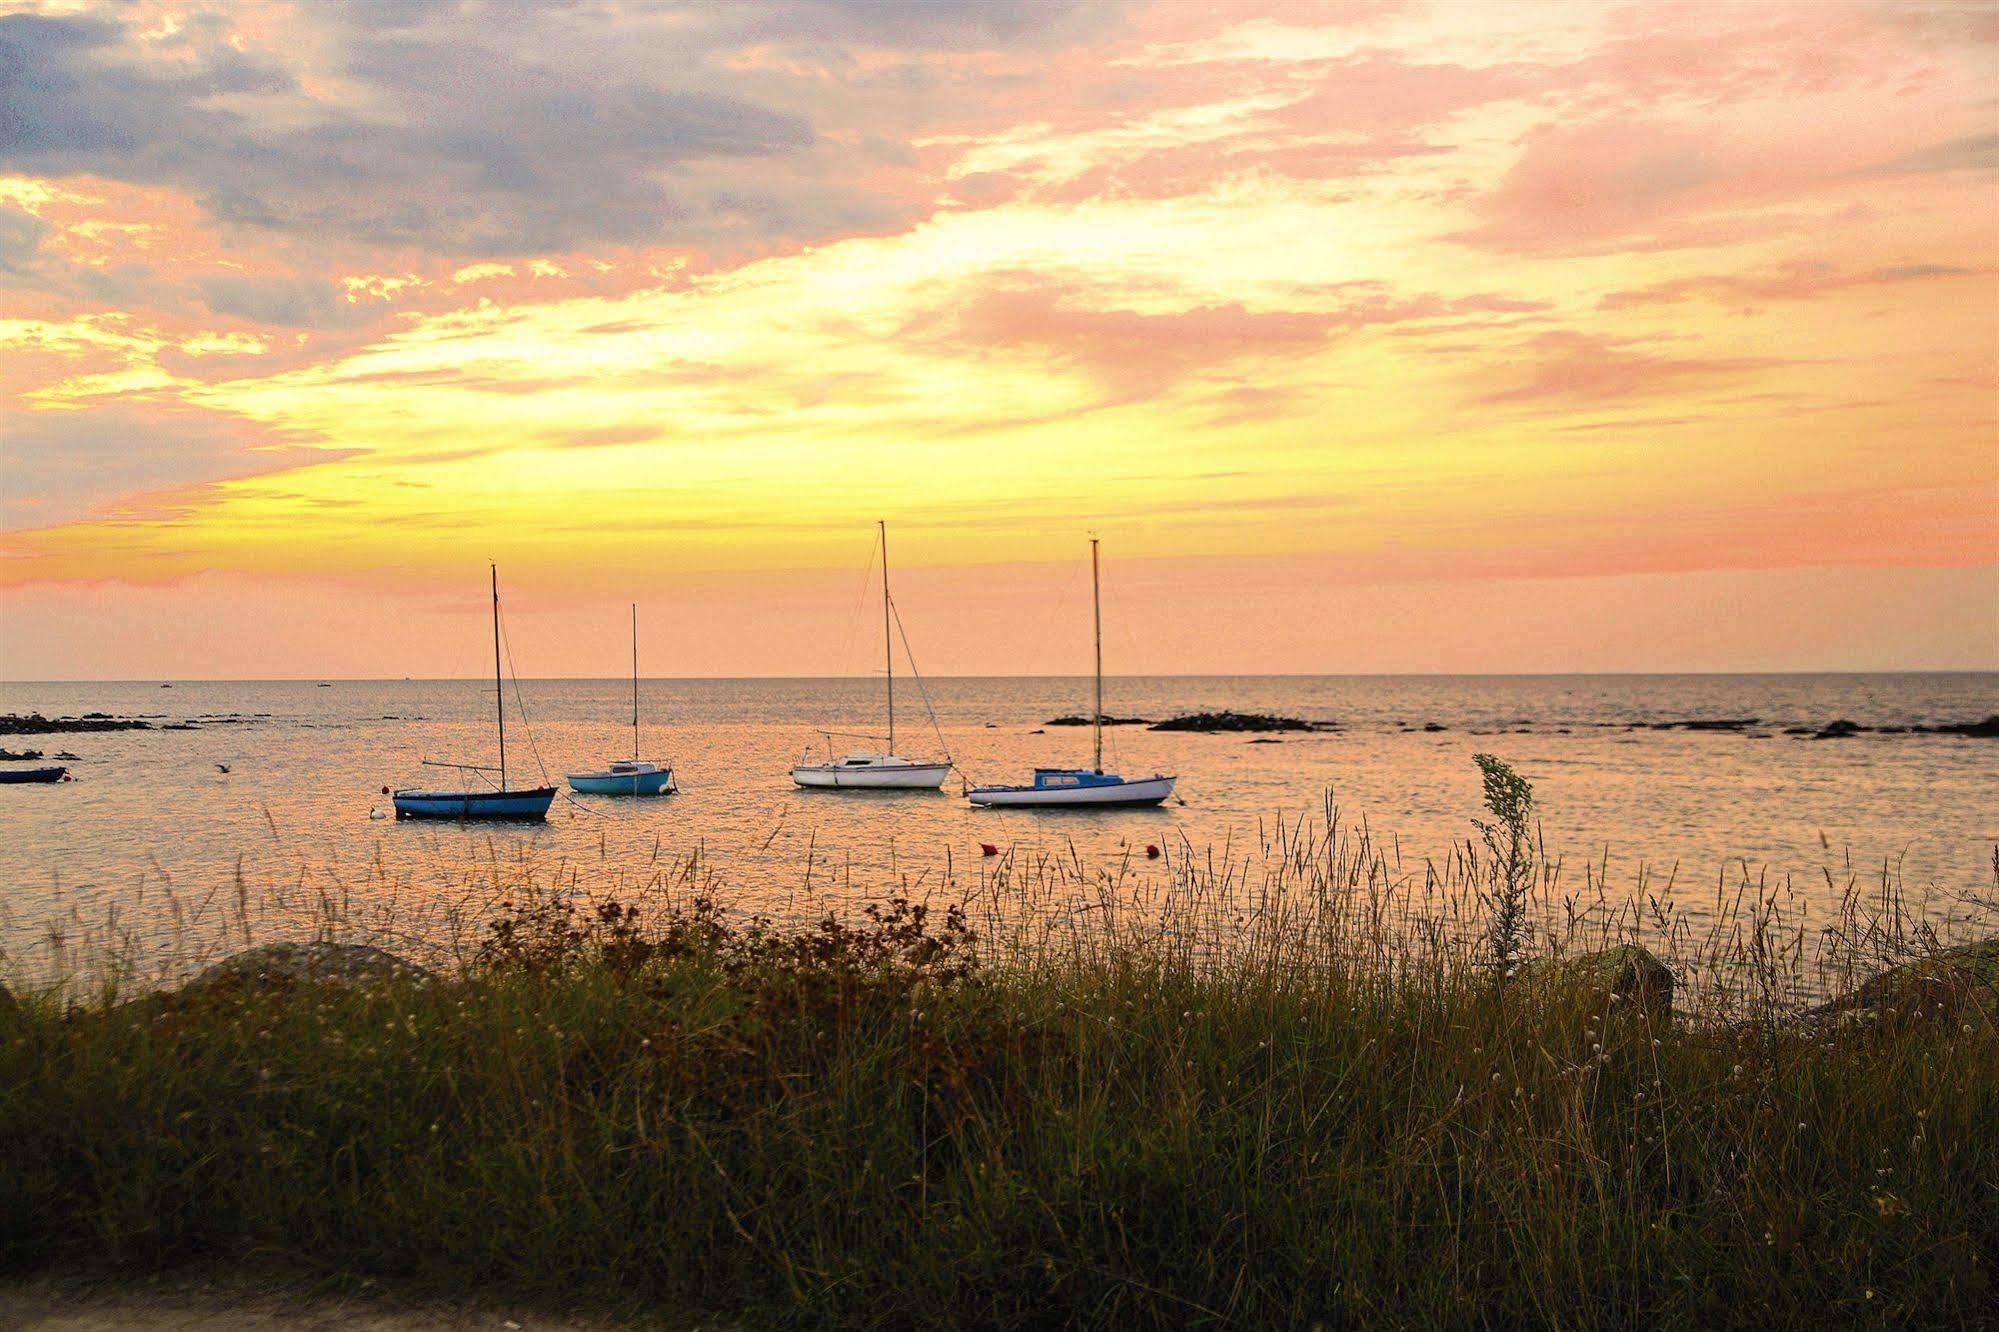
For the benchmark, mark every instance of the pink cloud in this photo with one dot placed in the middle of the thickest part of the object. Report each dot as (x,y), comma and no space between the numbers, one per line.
(1135,353)
(1568,368)
(1798,280)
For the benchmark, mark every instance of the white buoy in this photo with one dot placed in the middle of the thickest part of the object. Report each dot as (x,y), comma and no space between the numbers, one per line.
(378,813)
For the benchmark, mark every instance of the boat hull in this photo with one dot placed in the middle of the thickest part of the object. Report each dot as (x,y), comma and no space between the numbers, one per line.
(1104,795)
(902,777)
(16,776)
(520,806)
(657,782)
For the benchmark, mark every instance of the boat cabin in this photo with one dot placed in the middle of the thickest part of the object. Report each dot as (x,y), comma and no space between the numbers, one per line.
(1047,779)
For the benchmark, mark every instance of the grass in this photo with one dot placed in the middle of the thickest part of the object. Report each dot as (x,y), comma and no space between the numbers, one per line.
(1308,1097)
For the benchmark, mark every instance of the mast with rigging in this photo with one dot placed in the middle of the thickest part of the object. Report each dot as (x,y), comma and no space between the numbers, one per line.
(888,643)
(1097,615)
(499,693)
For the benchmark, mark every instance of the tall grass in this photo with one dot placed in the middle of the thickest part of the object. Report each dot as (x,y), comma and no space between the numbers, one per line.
(1263,1085)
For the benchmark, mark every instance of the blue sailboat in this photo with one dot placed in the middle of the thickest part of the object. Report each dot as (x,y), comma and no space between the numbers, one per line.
(528,804)
(1082,788)
(633,776)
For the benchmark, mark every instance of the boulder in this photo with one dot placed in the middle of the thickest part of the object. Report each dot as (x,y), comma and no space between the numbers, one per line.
(1983,730)
(281,965)
(1624,974)
(1108,721)
(1212,722)
(1954,984)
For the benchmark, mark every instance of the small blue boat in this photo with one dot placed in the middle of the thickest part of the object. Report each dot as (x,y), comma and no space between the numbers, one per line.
(625,777)
(17,775)
(529,805)
(633,776)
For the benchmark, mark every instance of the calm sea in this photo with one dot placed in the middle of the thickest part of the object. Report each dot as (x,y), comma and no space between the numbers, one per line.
(153,828)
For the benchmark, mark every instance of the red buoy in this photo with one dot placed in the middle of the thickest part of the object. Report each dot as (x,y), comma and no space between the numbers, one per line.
(988,849)
(1151,851)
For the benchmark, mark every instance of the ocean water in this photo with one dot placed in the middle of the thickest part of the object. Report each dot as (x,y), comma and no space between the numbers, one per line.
(152,832)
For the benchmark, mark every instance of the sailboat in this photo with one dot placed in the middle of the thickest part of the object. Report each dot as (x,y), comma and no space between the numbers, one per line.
(1089,787)
(499,803)
(633,776)
(866,770)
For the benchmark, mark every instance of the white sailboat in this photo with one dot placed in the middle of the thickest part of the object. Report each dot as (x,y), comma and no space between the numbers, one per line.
(634,776)
(869,770)
(1080,788)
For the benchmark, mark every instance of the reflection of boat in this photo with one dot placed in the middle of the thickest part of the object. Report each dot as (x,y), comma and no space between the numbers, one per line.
(18,775)
(633,776)
(529,803)
(1082,788)
(864,769)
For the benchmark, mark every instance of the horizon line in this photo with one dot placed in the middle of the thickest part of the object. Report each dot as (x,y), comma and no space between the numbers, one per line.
(1082,675)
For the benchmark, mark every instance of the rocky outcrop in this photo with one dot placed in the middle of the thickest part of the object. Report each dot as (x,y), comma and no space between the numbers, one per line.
(1623,975)
(1955,985)
(282,965)
(1108,721)
(1238,721)
(1983,730)
(34,723)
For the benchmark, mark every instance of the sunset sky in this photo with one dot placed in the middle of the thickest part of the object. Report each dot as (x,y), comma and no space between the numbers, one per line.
(1368,336)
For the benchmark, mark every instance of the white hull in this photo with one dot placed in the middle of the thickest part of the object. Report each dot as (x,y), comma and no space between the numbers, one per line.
(899,777)
(1141,791)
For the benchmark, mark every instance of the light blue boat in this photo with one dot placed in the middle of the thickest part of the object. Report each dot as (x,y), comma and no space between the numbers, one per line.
(625,777)
(633,776)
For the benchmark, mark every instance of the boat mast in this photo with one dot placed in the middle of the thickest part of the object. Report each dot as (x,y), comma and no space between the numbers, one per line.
(1097,614)
(888,643)
(499,697)
(635,679)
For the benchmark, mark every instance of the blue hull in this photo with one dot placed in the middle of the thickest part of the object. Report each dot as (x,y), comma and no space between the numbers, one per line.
(622,784)
(15,775)
(522,805)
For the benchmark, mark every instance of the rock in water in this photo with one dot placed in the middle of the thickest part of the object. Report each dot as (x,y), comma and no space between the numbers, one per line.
(1625,974)
(1211,722)
(1108,721)
(1984,730)
(277,966)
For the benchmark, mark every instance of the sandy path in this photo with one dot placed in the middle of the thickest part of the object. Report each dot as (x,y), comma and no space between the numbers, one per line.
(241,1304)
